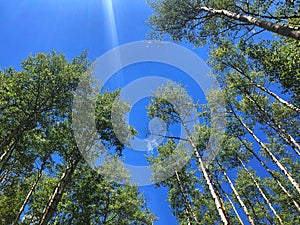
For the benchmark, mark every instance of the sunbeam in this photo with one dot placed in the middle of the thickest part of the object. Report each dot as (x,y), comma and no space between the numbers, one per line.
(112,22)
(113,37)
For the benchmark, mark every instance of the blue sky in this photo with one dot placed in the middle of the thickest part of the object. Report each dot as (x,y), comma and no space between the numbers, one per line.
(72,26)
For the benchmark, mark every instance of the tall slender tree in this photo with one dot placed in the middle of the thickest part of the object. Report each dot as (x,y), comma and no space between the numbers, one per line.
(172,104)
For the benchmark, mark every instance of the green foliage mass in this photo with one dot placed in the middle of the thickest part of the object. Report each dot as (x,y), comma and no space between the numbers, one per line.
(44,178)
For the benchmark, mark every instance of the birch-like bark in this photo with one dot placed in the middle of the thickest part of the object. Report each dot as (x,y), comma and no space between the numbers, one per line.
(271,155)
(20,128)
(271,221)
(57,193)
(233,206)
(189,210)
(8,171)
(206,177)
(6,156)
(273,175)
(219,196)
(261,192)
(242,204)
(40,172)
(270,26)
(264,89)
(277,127)
(253,210)
(211,189)
(234,209)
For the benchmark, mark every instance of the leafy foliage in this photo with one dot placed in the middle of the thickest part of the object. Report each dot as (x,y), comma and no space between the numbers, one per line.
(44,178)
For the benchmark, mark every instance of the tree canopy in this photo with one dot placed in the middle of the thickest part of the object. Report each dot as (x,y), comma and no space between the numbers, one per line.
(254,54)
(44,178)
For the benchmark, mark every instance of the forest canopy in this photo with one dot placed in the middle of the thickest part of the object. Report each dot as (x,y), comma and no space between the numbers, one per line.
(254,54)
(254,179)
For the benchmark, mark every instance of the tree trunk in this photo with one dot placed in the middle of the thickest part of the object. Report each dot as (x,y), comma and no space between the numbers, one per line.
(236,194)
(219,195)
(4,154)
(189,209)
(57,193)
(261,192)
(188,218)
(8,170)
(206,177)
(232,205)
(273,27)
(264,89)
(273,175)
(271,221)
(40,172)
(234,209)
(253,210)
(211,189)
(5,157)
(282,101)
(19,129)
(277,127)
(267,150)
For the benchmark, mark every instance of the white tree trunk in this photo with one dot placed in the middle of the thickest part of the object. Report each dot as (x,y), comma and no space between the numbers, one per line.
(206,177)
(57,193)
(273,175)
(190,210)
(277,127)
(273,27)
(237,195)
(271,155)
(16,221)
(262,193)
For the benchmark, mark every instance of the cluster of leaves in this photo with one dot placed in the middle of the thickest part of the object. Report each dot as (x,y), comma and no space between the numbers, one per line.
(44,178)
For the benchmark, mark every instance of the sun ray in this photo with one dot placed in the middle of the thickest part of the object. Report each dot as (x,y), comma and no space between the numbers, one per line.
(113,36)
(112,23)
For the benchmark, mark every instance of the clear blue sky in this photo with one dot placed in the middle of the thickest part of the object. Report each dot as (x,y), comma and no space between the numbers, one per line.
(72,26)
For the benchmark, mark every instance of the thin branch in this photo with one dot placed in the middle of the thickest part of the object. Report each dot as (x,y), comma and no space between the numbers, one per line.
(268,17)
(256,33)
(171,137)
